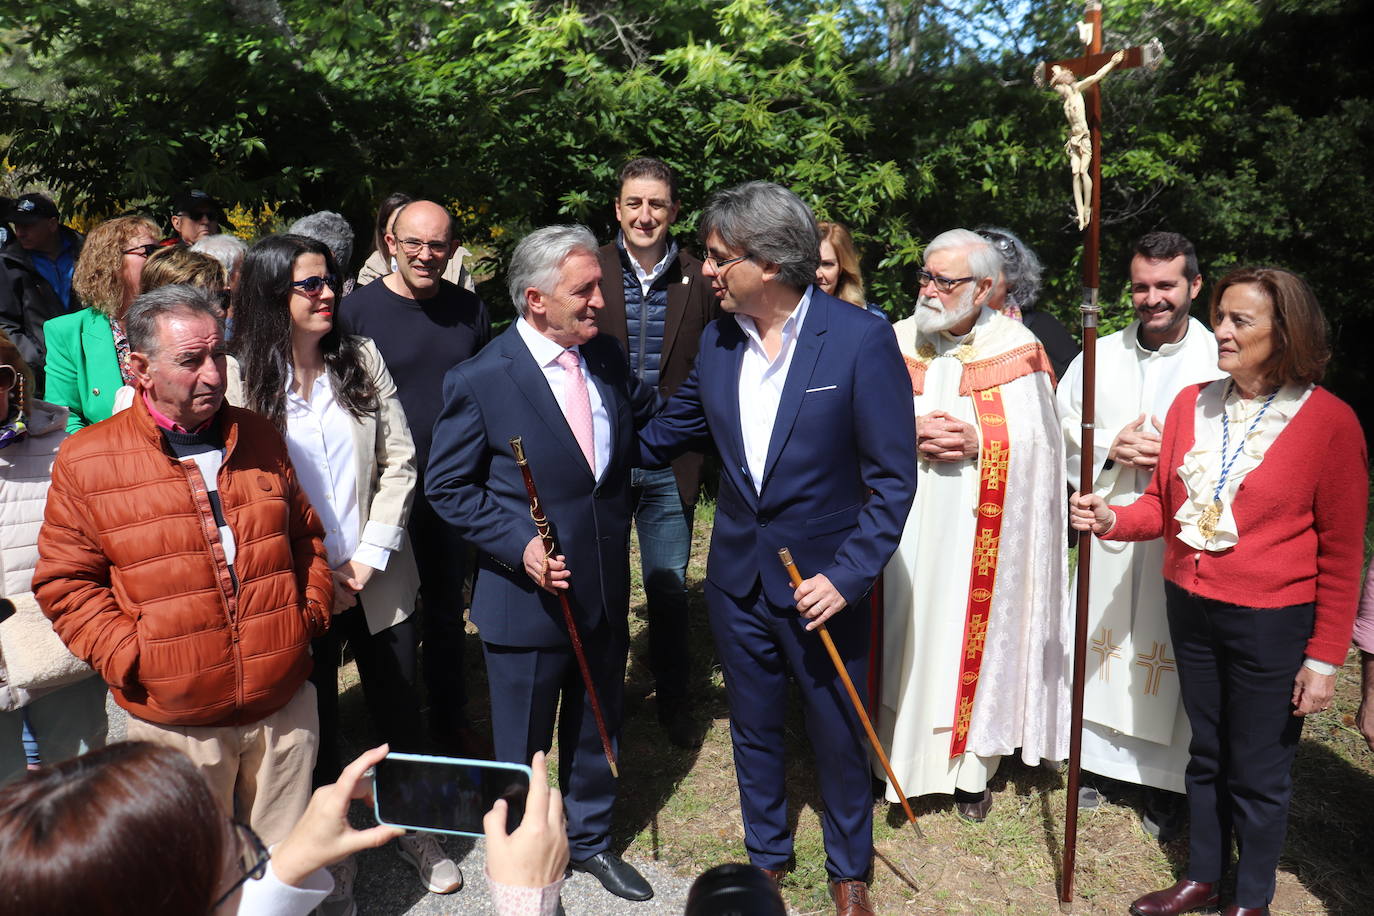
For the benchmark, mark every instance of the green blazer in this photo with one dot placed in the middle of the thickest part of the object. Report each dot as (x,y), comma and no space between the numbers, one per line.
(83,371)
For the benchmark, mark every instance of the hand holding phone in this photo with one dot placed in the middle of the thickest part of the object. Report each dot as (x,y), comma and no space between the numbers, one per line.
(447,794)
(536,853)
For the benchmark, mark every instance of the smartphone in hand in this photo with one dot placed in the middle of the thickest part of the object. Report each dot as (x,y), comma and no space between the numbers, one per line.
(447,794)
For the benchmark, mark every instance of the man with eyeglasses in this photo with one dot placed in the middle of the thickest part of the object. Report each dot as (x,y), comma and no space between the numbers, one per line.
(195,215)
(657,304)
(36,268)
(797,391)
(424,325)
(976,633)
(1134,727)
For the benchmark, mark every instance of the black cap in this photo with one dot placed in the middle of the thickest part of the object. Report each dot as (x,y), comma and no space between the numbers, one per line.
(28,208)
(189,201)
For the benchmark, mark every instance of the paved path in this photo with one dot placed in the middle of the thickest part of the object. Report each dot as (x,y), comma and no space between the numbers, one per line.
(387,886)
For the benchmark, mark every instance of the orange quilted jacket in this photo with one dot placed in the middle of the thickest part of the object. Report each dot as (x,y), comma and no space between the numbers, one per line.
(132,574)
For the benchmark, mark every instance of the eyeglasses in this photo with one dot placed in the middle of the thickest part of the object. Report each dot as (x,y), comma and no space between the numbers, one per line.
(311,286)
(943,284)
(145,251)
(253,857)
(720,264)
(412,247)
(8,377)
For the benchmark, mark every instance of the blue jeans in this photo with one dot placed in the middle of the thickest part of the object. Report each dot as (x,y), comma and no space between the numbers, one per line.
(664,524)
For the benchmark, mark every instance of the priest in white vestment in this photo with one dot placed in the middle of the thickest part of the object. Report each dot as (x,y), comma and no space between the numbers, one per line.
(977,639)
(1134,727)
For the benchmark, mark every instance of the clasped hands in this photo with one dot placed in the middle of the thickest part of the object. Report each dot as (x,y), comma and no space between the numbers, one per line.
(350,578)
(941,437)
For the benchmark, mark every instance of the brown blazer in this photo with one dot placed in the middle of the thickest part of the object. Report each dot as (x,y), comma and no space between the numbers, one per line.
(691,306)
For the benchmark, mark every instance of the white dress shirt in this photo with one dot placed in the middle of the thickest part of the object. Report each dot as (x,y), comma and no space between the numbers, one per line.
(319,439)
(761,382)
(546,353)
(646,280)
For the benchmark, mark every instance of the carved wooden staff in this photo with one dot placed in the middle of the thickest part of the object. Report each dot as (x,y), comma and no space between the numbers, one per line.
(1148,56)
(546,535)
(785,556)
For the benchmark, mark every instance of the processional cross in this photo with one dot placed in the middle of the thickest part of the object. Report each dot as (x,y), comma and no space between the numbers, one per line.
(1076,81)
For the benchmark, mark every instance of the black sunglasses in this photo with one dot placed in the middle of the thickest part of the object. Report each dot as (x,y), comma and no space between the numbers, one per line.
(312,285)
(144,250)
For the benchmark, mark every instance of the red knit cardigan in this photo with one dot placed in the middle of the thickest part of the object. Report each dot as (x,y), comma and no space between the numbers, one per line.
(1300,514)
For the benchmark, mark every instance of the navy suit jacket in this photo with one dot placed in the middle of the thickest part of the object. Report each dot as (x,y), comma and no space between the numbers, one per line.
(475,485)
(841,469)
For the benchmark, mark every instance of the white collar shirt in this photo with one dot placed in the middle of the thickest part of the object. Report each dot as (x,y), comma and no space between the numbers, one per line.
(646,280)
(761,381)
(319,439)
(546,353)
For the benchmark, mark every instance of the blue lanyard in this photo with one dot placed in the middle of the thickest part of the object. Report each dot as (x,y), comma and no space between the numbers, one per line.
(1228,460)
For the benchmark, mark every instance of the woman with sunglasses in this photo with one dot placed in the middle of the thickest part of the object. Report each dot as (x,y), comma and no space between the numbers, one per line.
(331,396)
(88,353)
(65,709)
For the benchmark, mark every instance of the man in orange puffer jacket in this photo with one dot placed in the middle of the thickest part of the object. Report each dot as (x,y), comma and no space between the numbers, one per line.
(181,559)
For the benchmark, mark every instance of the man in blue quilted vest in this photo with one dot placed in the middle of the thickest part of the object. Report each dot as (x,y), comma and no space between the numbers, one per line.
(657,305)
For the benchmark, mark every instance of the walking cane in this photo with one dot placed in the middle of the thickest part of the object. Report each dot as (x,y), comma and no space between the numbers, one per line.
(546,535)
(785,556)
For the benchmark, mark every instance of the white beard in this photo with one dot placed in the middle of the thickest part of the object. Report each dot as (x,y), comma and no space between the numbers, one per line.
(932,318)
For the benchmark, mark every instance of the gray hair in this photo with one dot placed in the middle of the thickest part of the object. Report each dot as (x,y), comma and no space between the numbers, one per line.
(145,316)
(769,222)
(984,263)
(331,229)
(225,248)
(537,259)
(1020,267)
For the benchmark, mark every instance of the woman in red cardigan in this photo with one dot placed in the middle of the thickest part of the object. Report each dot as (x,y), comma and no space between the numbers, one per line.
(1260,494)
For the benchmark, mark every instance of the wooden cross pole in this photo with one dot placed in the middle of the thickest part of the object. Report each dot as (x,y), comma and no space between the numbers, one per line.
(1075,79)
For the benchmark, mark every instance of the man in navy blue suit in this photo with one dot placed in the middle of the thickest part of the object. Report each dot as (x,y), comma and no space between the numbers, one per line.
(808,403)
(569,394)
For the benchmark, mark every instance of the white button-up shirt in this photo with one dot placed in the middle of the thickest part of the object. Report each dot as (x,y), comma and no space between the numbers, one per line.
(319,439)
(646,280)
(760,385)
(546,353)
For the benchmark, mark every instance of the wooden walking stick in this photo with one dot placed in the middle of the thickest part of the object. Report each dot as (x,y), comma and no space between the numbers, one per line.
(785,556)
(546,535)
(1091,68)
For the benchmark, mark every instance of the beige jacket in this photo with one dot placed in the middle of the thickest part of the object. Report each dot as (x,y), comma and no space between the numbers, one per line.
(385,461)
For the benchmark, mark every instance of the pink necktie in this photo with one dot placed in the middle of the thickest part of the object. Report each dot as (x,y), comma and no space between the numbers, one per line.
(577,405)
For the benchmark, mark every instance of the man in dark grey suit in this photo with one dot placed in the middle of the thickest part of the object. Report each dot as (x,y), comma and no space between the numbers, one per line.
(570,396)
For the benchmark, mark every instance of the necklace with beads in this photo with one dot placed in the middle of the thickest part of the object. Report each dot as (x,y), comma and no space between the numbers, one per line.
(1207,523)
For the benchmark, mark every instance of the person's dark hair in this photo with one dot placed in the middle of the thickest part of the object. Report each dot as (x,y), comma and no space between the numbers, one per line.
(389,205)
(648,167)
(129,830)
(1301,336)
(1165,246)
(770,222)
(141,321)
(262,332)
(732,889)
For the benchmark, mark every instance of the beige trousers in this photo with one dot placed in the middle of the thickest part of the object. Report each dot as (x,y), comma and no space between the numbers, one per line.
(260,772)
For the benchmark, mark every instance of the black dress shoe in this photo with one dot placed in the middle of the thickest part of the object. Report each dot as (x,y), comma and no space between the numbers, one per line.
(1183,897)
(682,730)
(616,875)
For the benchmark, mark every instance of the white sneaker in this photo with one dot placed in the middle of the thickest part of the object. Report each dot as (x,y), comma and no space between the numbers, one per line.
(340,899)
(437,871)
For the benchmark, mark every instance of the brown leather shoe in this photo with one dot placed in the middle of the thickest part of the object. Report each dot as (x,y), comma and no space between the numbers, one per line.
(975,812)
(1234,910)
(1183,897)
(774,875)
(851,898)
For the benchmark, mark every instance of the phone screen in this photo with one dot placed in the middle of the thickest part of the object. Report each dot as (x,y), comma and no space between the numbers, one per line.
(447,794)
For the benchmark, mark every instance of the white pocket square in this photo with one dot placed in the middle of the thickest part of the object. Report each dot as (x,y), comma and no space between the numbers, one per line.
(822,388)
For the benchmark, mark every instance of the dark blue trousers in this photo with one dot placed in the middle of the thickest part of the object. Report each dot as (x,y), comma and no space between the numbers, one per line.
(527,687)
(1236,667)
(758,645)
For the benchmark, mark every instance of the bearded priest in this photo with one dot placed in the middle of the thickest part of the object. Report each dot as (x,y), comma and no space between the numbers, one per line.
(976,643)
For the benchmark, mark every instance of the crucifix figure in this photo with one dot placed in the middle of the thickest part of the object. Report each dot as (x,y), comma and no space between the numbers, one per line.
(1076,80)
(1079,146)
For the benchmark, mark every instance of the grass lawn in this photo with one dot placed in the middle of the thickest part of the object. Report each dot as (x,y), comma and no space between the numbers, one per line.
(682,808)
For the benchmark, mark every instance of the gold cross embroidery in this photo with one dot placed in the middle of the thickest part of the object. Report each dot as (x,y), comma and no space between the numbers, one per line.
(985,551)
(965,716)
(1156,663)
(994,470)
(1106,650)
(977,635)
